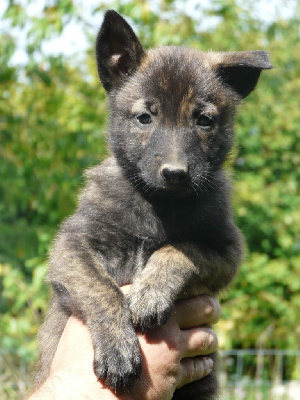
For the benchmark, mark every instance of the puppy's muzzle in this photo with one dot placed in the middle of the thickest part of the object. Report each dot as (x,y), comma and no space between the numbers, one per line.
(174,174)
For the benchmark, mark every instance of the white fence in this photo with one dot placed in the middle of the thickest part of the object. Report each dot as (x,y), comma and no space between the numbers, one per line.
(245,375)
(260,374)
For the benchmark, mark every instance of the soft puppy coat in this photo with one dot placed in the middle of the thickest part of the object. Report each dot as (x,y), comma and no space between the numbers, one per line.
(156,213)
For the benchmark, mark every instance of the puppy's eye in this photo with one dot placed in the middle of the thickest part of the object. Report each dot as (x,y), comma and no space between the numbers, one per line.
(204,121)
(144,119)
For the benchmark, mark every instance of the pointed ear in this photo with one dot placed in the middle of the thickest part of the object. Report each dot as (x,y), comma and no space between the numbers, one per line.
(118,50)
(241,70)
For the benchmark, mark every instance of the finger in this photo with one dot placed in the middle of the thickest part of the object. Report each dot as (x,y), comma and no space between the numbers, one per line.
(193,369)
(196,311)
(199,341)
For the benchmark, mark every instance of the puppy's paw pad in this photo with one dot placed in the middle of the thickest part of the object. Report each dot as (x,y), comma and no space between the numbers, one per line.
(118,365)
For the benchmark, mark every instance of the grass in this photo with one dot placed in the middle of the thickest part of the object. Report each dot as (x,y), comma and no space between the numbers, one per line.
(15,377)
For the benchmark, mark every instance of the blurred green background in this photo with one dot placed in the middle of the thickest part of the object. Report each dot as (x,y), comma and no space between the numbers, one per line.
(53,118)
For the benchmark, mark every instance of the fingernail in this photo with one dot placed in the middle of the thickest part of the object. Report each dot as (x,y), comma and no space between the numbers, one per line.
(208,364)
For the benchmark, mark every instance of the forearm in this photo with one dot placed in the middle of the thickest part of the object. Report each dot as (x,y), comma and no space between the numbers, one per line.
(60,387)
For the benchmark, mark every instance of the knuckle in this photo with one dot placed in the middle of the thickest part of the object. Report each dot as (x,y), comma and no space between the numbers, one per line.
(175,373)
(174,370)
(192,369)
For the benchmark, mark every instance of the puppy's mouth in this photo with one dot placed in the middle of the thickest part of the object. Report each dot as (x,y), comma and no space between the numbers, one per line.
(168,188)
(177,187)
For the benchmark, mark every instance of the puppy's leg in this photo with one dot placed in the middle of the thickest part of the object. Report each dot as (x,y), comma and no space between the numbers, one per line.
(169,271)
(83,288)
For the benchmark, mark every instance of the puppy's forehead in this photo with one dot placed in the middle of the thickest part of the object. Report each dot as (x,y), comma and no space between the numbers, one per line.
(178,71)
(176,79)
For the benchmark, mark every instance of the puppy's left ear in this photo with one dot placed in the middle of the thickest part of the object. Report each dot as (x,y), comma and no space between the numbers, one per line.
(118,51)
(241,70)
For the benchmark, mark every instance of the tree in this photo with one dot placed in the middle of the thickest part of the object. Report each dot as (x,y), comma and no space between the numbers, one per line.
(52,124)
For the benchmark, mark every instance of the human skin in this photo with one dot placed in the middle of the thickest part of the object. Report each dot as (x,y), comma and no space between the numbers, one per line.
(173,356)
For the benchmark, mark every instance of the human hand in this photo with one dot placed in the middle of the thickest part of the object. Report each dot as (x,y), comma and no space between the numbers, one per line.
(173,356)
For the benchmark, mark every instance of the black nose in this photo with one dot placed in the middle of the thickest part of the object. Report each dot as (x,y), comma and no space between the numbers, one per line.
(174,174)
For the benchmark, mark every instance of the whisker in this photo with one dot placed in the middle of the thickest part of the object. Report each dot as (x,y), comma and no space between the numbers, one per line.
(194,189)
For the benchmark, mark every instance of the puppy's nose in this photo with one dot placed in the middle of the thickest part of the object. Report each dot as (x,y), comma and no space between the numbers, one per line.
(174,174)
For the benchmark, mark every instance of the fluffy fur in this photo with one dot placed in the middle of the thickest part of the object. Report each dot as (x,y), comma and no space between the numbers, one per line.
(156,213)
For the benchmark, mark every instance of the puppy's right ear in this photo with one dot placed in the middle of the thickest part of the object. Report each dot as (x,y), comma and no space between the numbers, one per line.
(118,51)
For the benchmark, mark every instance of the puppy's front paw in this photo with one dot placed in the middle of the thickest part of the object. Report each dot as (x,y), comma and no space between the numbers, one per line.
(148,309)
(118,362)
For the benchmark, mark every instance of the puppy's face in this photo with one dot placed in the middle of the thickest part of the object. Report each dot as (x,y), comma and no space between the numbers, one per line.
(172,108)
(172,120)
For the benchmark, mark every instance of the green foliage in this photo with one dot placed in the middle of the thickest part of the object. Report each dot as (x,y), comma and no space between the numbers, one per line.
(52,118)
(267,204)
(51,128)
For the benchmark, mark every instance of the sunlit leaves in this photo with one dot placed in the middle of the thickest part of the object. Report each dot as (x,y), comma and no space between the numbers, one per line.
(52,122)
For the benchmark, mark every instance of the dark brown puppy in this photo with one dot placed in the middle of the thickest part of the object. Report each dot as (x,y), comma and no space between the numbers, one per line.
(157,212)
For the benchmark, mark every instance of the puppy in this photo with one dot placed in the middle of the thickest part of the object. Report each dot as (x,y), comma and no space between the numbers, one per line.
(156,213)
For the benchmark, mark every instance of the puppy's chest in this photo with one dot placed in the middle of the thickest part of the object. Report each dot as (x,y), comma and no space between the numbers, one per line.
(125,261)
(138,235)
